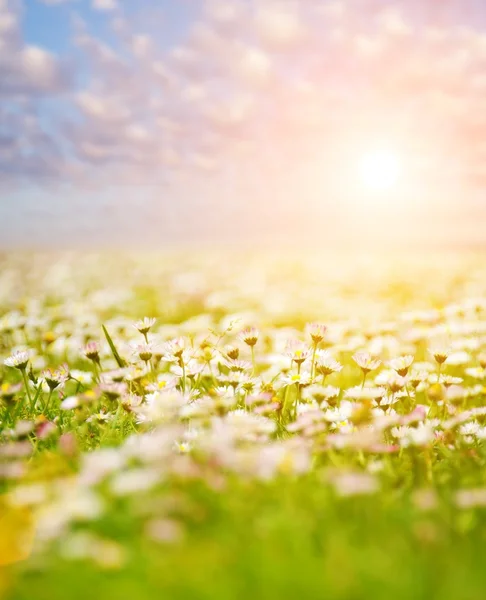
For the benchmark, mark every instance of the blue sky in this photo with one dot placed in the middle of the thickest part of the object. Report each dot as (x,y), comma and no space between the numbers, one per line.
(187,118)
(49,24)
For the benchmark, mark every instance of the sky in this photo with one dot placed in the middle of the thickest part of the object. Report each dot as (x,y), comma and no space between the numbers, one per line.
(134,122)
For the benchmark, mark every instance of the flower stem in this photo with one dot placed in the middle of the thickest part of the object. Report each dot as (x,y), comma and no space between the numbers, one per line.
(26,383)
(314,350)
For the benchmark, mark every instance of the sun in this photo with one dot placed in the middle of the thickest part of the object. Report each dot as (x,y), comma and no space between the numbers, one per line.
(379,170)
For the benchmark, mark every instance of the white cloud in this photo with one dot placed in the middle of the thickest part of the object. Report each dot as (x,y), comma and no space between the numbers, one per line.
(38,66)
(392,21)
(254,65)
(253,89)
(56,2)
(141,45)
(104,5)
(278,23)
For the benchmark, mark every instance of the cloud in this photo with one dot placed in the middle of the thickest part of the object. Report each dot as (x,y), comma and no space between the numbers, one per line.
(56,2)
(104,5)
(268,97)
(25,68)
(278,23)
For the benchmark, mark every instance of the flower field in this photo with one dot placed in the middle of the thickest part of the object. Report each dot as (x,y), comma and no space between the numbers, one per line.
(237,425)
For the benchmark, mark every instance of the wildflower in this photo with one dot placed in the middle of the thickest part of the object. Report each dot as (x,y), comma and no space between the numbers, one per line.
(471,498)
(18,360)
(317,332)
(459,358)
(421,435)
(145,352)
(144,325)
(116,375)
(183,447)
(425,499)
(68,444)
(445,380)
(53,378)
(232,352)
(366,362)
(476,372)
(44,429)
(92,352)
(164,382)
(250,335)
(113,390)
(8,391)
(326,365)
(396,384)
(482,360)
(365,393)
(296,378)
(331,394)
(83,377)
(238,365)
(175,349)
(164,531)
(402,364)
(135,374)
(353,484)
(100,417)
(315,392)
(418,377)
(297,351)
(69,403)
(440,355)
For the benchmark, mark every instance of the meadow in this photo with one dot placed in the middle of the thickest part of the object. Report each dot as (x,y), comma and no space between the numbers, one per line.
(226,425)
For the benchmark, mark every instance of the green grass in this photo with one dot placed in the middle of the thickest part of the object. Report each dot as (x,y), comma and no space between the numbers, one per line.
(286,540)
(263,516)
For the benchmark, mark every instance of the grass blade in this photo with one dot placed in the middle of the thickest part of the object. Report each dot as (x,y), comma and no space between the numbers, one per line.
(121,363)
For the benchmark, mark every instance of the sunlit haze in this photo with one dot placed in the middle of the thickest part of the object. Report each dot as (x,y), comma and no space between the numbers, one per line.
(165,122)
(380,169)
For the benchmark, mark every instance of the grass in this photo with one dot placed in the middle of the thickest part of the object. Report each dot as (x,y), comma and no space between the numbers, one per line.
(214,469)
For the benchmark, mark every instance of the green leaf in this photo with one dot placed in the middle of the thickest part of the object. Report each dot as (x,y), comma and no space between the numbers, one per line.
(121,363)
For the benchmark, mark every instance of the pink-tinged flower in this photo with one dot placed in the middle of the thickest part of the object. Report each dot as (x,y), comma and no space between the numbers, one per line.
(144,325)
(418,377)
(145,352)
(238,365)
(164,531)
(113,391)
(250,335)
(18,360)
(326,364)
(174,349)
(471,498)
(297,351)
(402,364)
(366,362)
(354,484)
(45,429)
(92,351)
(54,378)
(68,444)
(396,383)
(425,499)
(418,414)
(317,332)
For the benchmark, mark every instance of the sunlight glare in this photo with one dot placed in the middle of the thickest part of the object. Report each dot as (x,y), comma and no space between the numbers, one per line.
(379,170)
